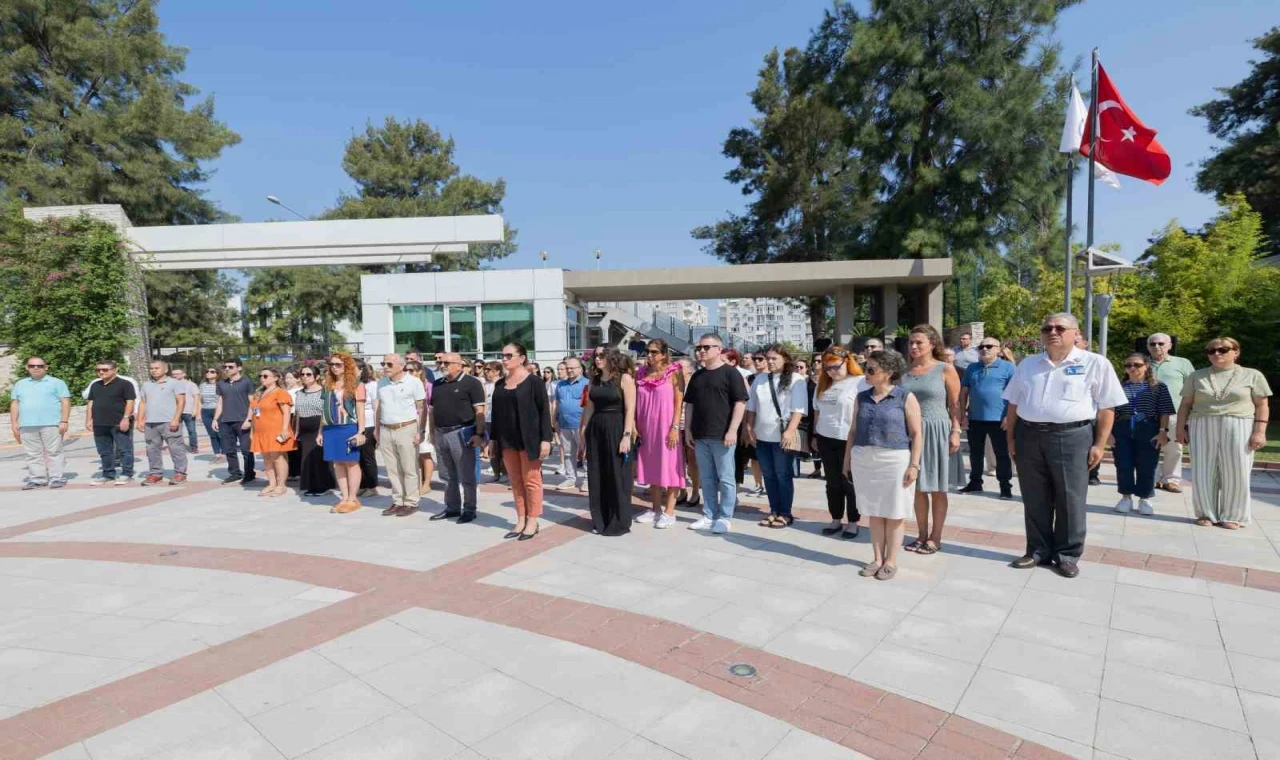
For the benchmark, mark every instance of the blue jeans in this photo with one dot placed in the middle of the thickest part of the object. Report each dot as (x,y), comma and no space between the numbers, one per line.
(111,442)
(189,421)
(1136,457)
(778,466)
(215,438)
(719,490)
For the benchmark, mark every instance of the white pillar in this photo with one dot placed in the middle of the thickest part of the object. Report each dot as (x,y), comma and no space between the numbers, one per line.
(844,315)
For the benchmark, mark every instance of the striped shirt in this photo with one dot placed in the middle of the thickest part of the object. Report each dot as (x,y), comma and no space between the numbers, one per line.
(1146,402)
(208,395)
(308,403)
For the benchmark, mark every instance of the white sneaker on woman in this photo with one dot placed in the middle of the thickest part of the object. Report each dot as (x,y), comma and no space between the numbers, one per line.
(664,521)
(1145,508)
(1124,505)
(645,516)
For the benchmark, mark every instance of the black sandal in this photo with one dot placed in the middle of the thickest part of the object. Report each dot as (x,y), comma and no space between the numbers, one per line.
(769,522)
(782,521)
(850,534)
(928,548)
(831,530)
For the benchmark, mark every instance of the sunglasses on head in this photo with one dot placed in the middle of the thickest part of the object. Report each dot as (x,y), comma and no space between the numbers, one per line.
(1218,350)
(1054,329)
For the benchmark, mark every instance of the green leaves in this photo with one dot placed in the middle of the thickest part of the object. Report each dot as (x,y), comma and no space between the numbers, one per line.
(62,295)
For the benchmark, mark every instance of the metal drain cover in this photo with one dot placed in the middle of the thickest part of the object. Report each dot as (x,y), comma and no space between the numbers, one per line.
(742,669)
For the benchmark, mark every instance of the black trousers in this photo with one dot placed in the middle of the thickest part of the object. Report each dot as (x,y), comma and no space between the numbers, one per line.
(842,502)
(1053,471)
(236,439)
(980,431)
(369,461)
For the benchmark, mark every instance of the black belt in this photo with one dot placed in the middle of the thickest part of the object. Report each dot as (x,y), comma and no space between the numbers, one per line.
(454,429)
(1049,427)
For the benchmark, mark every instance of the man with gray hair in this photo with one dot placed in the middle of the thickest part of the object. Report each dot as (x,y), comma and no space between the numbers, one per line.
(457,429)
(1061,407)
(1173,371)
(398,413)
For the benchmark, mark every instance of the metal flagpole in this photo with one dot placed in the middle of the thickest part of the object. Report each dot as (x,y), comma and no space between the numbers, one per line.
(1093,151)
(1071,170)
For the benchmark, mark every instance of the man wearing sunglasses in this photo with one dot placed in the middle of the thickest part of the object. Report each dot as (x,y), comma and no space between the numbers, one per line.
(39,413)
(109,414)
(982,403)
(714,405)
(1173,371)
(1061,406)
(231,420)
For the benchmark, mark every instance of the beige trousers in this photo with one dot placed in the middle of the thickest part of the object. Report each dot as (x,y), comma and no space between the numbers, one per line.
(400,455)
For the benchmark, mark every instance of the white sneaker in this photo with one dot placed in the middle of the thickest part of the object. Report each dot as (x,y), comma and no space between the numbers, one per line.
(1145,508)
(100,481)
(664,521)
(1124,505)
(722,526)
(701,523)
(645,516)
(125,480)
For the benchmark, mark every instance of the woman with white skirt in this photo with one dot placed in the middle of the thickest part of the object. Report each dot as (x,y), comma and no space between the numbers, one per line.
(883,458)
(1223,415)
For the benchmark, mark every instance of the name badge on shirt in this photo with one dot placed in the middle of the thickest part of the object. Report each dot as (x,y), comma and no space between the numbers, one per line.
(1075,369)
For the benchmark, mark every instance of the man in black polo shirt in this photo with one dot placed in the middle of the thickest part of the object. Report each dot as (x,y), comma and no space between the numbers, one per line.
(457,428)
(231,420)
(107,414)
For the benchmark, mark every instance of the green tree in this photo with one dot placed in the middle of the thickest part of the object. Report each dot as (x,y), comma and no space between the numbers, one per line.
(407,169)
(924,128)
(61,299)
(189,308)
(1247,119)
(92,111)
(302,304)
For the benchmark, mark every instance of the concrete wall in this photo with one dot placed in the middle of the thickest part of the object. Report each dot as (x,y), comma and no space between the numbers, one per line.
(543,287)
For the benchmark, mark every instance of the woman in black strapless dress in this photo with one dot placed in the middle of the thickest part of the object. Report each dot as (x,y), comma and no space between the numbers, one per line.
(608,424)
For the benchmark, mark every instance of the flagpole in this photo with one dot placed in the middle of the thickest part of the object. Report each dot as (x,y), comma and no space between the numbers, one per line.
(1071,169)
(1093,152)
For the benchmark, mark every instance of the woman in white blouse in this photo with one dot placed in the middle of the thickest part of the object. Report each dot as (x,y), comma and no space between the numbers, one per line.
(778,400)
(839,382)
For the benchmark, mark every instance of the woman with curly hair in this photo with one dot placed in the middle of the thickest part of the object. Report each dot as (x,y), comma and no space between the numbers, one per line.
(660,452)
(608,430)
(936,386)
(340,427)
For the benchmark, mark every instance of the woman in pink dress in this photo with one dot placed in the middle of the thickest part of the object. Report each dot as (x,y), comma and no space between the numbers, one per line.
(660,455)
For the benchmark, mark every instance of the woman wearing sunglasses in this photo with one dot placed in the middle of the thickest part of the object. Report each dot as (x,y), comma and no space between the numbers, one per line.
(208,406)
(272,412)
(839,384)
(315,477)
(1223,415)
(1139,433)
(342,403)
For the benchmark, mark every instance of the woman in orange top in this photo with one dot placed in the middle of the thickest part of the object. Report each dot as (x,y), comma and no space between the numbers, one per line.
(272,412)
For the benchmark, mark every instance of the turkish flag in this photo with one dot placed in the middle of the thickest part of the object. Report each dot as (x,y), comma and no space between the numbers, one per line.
(1125,144)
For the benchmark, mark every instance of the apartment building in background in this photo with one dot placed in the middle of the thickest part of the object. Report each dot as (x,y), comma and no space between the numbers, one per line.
(766,320)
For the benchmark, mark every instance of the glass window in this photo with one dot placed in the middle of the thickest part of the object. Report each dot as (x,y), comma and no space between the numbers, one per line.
(462,330)
(420,327)
(507,323)
(573,332)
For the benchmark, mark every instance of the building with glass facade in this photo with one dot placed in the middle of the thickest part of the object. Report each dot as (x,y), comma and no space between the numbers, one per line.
(471,313)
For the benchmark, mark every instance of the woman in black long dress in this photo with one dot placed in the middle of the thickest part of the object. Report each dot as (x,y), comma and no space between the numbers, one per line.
(315,476)
(607,429)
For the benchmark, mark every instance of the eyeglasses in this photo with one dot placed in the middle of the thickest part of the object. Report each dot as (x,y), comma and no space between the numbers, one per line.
(1219,350)
(1156,343)
(505,358)
(336,364)
(705,347)
(757,359)
(987,347)
(265,375)
(228,367)
(871,369)
(306,374)
(101,370)
(36,366)
(1059,329)
(832,367)
(653,352)
(1134,366)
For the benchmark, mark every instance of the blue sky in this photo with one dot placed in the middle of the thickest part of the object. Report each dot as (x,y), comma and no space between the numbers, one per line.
(606,119)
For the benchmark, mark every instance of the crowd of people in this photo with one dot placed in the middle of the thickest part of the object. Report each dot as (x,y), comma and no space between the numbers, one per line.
(883,430)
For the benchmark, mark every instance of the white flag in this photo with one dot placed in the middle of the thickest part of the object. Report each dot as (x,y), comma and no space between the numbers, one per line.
(1073,135)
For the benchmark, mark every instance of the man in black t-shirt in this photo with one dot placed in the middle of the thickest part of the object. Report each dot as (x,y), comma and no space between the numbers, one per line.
(231,420)
(457,430)
(108,415)
(714,404)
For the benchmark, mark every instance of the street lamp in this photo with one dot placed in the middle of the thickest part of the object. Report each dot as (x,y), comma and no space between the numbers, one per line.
(597,258)
(544,259)
(277,201)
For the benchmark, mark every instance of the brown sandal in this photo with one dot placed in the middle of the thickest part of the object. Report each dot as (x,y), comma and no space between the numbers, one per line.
(1203,522)
(915,546)
(929,548)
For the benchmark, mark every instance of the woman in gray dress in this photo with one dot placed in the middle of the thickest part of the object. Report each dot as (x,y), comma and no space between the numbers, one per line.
(936,386)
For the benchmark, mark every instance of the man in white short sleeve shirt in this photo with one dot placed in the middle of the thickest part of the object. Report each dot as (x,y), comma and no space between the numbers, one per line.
(1061,406)
(398,413)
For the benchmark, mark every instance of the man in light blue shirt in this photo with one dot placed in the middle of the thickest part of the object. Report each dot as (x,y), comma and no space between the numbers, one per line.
(982,400)
(566,410)
(39,413)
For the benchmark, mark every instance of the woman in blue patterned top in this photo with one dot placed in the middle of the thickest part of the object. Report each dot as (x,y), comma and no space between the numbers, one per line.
(1139,434)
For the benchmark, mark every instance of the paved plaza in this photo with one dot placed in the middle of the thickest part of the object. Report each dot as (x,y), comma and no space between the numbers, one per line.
(202,622)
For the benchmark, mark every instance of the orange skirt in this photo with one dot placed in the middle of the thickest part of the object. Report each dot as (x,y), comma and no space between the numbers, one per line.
(264,441)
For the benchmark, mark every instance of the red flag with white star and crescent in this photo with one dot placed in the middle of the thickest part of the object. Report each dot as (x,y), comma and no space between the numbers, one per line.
(1125,144)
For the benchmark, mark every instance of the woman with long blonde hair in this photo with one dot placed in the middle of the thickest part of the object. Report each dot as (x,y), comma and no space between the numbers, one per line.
(340,431)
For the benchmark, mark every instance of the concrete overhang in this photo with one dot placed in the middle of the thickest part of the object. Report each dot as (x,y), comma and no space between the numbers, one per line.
(751,280)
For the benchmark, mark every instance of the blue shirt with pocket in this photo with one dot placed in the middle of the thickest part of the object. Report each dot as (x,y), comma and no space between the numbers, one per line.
(40,401)
(986,386)
(569,403)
